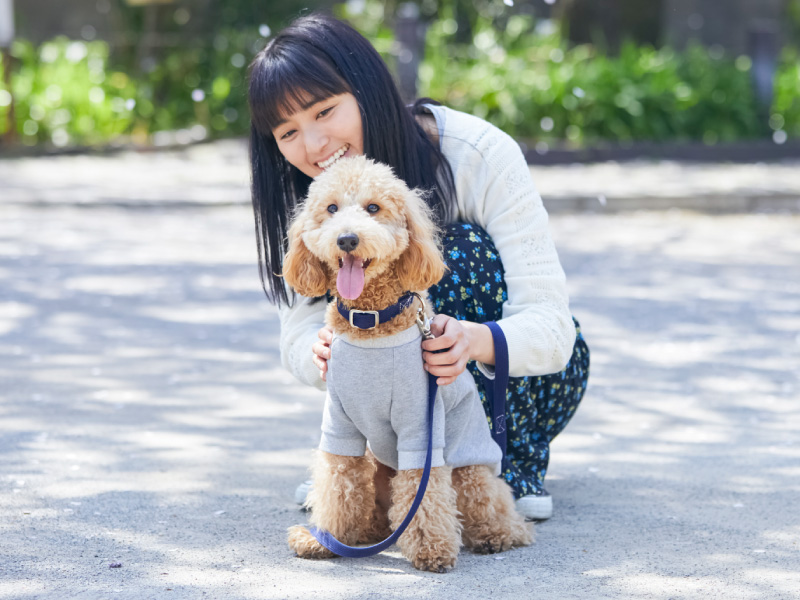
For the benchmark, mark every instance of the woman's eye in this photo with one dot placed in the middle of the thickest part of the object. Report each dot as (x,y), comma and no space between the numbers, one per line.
(332,208)
(325,112)
(288,134)
(373,208)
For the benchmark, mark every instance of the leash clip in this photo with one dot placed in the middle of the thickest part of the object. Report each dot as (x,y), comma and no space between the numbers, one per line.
(424,325)
(423,322)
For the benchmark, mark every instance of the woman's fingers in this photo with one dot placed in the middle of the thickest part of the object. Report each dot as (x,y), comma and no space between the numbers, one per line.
(448,357)
(325,334)
(321,351)
(447,354)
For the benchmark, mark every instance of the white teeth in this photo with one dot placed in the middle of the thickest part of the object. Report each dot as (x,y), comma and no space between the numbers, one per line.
(337,155)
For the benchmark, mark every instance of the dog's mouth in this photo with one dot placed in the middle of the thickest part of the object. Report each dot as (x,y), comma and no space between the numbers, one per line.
(350,280)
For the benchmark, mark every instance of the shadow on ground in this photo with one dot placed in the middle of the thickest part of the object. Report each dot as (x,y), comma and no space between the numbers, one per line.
(147,421)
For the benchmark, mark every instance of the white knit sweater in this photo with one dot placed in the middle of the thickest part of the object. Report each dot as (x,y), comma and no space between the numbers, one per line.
(494,190)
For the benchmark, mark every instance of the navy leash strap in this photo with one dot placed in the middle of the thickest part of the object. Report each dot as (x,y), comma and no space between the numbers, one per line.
(496,391)
(331,543)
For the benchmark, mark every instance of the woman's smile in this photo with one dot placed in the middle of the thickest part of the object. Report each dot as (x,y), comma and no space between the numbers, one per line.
(324,164)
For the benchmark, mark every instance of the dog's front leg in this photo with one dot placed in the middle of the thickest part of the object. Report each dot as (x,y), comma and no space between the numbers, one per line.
(433,538)
(341,500)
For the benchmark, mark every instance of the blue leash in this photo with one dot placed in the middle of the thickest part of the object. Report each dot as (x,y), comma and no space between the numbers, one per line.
(496,393)
(497,397)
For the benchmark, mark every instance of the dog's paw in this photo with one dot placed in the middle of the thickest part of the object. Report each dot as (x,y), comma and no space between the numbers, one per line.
(305,545)
(491,545)
(437,556)
(494,540)
(434,564)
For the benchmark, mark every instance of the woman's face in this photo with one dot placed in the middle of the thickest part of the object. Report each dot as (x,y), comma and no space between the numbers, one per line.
(314,138)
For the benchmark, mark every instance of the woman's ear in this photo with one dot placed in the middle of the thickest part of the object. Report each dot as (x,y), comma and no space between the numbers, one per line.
(301,269)
(421,264)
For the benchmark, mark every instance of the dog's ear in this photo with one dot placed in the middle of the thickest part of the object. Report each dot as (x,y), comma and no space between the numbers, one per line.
(421,264)
(301,269)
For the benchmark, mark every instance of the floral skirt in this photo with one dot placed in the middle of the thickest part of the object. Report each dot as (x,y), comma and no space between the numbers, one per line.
(537,408)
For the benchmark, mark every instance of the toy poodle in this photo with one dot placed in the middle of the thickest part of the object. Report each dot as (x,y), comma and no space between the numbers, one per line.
(365,237)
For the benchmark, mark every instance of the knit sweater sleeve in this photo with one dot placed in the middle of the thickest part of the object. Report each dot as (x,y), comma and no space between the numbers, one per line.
(495,190)
(299,326)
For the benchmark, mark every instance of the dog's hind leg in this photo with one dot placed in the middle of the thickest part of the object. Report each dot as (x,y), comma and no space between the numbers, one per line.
(341,500)
(433,537)
(491,522)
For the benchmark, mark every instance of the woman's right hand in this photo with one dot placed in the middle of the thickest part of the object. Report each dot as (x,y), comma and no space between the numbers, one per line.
(322,350)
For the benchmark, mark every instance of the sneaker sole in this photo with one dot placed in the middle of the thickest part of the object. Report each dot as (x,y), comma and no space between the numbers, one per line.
(536,508)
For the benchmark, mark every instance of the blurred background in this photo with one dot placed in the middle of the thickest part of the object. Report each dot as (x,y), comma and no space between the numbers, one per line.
(556,74)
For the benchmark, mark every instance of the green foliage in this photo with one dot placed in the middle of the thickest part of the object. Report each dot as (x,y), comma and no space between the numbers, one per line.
(523,78)
(534,86)
(786,106)
(64,91)
(68,93)
(370,19)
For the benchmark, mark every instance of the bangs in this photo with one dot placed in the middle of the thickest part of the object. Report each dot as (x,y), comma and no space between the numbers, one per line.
(285,81)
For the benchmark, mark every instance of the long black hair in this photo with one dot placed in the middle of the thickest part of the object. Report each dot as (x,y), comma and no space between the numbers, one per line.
(314,58)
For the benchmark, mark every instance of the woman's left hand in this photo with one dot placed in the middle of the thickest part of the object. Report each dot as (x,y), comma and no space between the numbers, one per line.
(459,342)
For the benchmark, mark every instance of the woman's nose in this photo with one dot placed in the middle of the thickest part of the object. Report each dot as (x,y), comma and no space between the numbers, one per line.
(316,140)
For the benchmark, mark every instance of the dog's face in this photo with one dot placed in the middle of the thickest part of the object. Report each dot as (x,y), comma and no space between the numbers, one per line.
(357,222)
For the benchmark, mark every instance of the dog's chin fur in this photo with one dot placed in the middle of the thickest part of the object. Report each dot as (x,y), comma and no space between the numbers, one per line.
(401,240)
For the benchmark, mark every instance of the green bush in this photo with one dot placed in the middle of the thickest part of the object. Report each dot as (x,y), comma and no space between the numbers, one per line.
(529,83)
(65,93)
(68,93)
(786,106)
(534,86)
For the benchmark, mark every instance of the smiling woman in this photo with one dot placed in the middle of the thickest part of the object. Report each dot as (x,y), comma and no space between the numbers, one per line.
(319,92)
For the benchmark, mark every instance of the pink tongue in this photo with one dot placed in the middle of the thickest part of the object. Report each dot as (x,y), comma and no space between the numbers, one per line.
(350,280)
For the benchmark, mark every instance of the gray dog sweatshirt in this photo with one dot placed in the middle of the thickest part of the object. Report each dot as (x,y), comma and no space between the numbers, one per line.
(378,393)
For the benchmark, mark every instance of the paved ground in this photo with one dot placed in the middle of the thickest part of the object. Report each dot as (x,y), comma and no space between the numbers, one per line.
(146,420)
(216,173)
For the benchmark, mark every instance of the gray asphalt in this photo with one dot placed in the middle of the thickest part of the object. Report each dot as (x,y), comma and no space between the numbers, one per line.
(146,421)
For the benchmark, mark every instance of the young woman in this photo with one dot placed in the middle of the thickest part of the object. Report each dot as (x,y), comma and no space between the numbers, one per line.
(320,91)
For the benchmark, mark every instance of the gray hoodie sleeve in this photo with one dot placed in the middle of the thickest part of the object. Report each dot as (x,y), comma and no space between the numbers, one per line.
(339,434)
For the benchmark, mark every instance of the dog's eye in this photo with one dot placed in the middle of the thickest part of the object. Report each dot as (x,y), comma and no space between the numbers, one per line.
(332,208)
(373,208)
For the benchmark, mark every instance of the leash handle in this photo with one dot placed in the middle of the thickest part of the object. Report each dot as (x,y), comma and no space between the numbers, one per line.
(331,543)
(496,390)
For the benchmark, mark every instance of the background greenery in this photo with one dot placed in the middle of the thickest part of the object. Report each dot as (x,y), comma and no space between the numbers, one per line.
(518,73)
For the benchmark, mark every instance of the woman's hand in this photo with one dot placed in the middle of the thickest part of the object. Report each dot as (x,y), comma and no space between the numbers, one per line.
(322,350)
(460,342)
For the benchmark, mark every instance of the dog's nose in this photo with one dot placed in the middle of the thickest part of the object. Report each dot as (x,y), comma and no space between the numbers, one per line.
(347,242)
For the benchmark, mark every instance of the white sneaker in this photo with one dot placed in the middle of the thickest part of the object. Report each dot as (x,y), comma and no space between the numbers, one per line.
(536,507)
(301,493)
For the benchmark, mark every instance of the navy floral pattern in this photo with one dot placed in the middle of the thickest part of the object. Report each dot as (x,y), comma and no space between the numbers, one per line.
(537,408)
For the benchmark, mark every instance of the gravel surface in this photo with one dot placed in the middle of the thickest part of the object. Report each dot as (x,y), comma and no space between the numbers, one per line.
(150,442)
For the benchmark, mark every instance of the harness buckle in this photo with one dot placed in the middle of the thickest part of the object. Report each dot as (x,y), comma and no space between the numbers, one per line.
(374,313)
